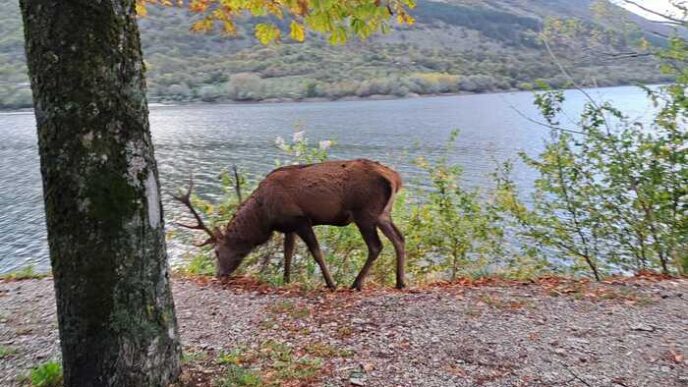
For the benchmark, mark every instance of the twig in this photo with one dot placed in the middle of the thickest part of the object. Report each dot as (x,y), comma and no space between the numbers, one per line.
(575,376)
(543,124)
(668,18)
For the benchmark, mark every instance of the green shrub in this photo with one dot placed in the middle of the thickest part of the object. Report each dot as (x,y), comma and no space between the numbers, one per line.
(46,375)
(236,376)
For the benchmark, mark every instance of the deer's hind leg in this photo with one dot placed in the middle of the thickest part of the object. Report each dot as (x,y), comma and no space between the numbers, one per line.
(289,239)
(306,233)
(369,232)
(397,238)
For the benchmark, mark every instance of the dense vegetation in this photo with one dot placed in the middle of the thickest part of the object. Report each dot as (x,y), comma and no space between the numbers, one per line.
(456,46)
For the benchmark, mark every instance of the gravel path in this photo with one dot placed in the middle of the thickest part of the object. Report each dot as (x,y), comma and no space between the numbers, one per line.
(550,333)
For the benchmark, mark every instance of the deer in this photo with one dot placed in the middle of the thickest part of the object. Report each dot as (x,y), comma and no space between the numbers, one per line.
(293,199)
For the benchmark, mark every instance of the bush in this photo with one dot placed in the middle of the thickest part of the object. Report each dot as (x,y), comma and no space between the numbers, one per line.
(46,375)
(611,194)
(245,86)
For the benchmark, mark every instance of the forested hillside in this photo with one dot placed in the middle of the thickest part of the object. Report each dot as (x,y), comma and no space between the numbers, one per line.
(455,46)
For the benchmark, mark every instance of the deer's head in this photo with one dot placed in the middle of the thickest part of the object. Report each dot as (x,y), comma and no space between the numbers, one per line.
(228,253)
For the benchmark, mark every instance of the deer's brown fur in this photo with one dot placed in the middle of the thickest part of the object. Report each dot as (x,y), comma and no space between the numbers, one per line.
(293,199)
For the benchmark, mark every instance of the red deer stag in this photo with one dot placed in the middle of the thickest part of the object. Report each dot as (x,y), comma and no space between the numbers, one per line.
(295,198)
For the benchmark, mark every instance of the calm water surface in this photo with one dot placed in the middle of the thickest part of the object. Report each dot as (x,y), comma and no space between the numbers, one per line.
(207,139)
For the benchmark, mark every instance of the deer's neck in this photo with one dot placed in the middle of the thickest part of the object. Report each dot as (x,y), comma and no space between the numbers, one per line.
(249,227)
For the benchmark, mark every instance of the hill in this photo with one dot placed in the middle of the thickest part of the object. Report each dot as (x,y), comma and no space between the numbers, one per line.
(455,46)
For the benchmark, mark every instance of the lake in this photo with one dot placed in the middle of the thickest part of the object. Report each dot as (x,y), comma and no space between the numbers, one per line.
(206,139)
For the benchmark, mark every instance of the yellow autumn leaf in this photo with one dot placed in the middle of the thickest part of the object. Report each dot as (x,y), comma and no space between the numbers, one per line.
(229,27)
(297,32)
(328,17)
(141,9)
(203,25)
(267,33)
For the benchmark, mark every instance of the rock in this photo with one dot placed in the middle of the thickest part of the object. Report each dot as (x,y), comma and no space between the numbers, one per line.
(642,327)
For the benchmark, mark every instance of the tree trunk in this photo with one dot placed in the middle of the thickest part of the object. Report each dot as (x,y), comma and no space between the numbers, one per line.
(102,199)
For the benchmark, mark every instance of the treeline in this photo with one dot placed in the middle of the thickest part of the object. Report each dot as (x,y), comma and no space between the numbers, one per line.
(394,69)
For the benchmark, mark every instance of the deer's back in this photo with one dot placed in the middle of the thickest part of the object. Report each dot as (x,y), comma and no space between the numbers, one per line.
(332,192)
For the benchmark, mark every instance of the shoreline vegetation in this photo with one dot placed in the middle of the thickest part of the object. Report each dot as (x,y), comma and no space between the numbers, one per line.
(376,97)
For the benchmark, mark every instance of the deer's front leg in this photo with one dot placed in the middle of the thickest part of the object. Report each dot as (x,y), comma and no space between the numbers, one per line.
(306,233)
(289,239)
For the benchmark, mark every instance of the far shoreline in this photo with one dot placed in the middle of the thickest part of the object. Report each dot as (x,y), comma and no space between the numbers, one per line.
(351,98)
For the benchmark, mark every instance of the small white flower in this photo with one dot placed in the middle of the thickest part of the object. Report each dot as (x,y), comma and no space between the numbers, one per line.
(280,143)
(299,136)
(325,145)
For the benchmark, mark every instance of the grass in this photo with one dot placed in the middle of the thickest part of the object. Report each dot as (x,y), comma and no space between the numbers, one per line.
(324,350)
(199,265)
(273,363)
(237,376)
(27,272)
(236,356)
(193,356)
(286,365)
(6,351)
(289,308)
(48,374)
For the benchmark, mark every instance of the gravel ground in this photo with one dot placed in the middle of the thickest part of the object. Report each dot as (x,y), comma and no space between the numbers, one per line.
(549,333)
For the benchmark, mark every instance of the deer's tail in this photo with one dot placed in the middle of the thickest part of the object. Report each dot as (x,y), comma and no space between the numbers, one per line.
(392,176)
(395,184)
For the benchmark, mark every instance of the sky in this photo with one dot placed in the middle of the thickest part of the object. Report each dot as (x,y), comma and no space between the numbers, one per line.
(663,6)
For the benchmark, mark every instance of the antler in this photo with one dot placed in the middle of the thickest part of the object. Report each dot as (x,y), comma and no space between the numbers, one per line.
(237,183)
(186,200)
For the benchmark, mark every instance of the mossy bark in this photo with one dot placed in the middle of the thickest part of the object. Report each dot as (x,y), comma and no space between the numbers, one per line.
(100,180)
